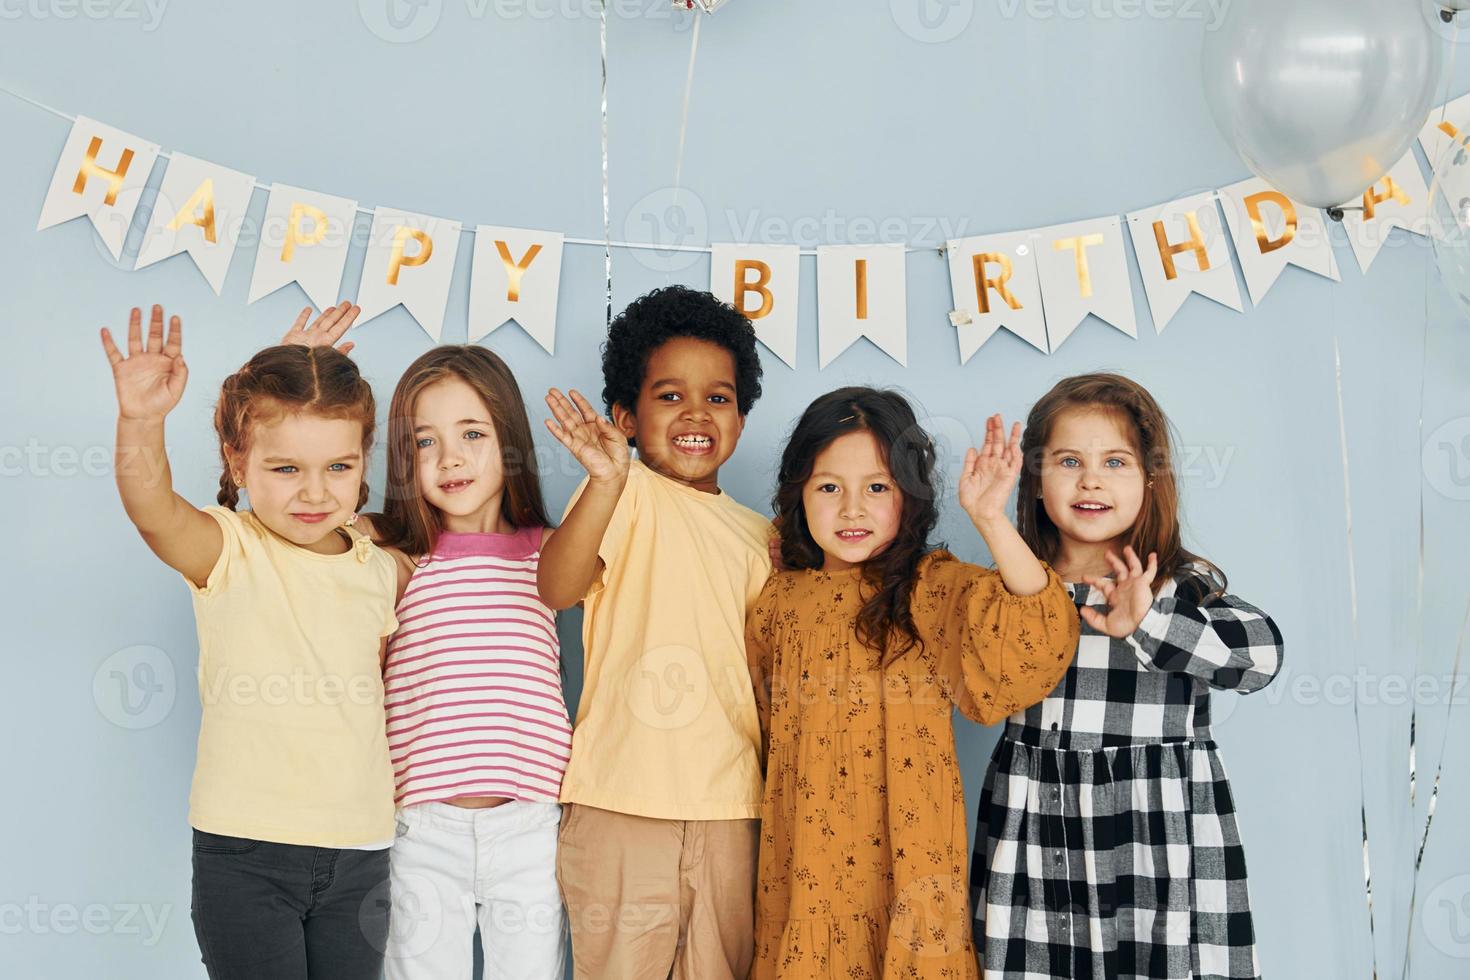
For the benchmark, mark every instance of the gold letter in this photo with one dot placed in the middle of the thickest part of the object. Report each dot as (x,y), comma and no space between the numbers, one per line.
(743,285)
(514,270)
(1080,246)
(1391,192)
(397,260)
(1253,208)
(90,168)
(293,228)
(1196,244)
(186,215)
(862,289)
(984,284)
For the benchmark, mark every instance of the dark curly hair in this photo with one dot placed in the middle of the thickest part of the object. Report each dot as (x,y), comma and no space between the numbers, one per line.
(662,315)
(886,622)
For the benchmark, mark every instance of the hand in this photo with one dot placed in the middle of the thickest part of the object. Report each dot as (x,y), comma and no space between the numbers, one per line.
(326,329)
(593,440)
(1129,595)
(150,380)
(990,473)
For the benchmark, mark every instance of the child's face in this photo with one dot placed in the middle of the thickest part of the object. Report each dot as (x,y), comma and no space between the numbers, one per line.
(302,474)
(459,464)
(686,421)
(853,505)
(1091,477)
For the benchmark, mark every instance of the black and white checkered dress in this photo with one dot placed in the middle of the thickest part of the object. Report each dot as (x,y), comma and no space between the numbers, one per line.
(1107,845)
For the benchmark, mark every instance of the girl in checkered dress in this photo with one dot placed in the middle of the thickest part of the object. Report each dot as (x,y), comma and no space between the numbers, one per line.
(1107,845)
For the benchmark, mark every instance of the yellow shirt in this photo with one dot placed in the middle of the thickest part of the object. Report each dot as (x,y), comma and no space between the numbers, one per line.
(293,744)
(667,724)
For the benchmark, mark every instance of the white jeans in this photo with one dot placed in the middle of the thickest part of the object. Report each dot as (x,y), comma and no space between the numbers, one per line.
(452,868)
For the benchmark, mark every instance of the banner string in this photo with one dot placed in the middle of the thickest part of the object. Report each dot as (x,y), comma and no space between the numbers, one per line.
(605,242)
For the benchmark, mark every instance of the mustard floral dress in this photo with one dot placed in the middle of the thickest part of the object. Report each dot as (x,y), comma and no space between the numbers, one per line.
(864,851)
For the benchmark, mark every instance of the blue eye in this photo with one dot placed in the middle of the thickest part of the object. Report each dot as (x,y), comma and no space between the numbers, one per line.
(1070,461)
(286,470)
(472,435)
(1115,459)
(424,443)
(340,467)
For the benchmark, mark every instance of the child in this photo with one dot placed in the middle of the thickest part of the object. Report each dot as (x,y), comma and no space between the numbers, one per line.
(292,803)
(477,724)
(866,644)
(1110,847)
(657,850)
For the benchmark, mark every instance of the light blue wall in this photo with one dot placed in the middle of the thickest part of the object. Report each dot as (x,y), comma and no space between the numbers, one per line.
(817,114)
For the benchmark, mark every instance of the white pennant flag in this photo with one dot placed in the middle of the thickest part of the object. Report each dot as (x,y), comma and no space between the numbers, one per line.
(515,273)
(1084,270)
(762,282)
(1271,231)
(199,210)
(410,260)
(1436,136)
(994,284)
(304,239)
(101,174)
(1181,249)
(1399,200)
(861,292)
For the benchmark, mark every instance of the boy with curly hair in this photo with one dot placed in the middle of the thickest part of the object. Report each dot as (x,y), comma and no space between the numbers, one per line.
(659,837)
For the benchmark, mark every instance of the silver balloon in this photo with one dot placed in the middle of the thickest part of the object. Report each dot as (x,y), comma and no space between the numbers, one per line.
(1321,97)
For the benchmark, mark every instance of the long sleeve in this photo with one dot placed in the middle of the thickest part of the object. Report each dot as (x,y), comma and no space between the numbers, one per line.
(1221,640)
(997,653)
(760,642)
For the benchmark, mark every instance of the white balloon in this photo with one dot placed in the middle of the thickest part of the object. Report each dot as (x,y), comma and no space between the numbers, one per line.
(1321,97)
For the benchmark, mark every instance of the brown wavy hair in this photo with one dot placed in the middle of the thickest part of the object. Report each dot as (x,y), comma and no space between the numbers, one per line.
(886,621)
(1157,528)
(408,521)
(286,380)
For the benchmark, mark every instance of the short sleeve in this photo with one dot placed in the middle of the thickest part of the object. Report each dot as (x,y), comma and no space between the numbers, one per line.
(619,527)
(997,652)
(231,529)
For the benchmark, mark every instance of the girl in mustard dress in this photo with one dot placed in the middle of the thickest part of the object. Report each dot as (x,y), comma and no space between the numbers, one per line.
(859,651)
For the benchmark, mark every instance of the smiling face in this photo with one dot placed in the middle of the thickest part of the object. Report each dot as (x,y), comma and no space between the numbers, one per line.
(303,474)
(458,460)
(852,503)
(1092,481)
(686,421)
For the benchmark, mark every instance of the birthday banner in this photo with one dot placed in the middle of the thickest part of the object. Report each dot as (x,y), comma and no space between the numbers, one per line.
(1038,284)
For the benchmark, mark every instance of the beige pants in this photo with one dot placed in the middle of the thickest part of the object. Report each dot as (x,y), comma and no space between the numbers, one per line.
(650,899)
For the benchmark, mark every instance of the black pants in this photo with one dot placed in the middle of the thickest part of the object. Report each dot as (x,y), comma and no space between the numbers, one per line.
(265,911)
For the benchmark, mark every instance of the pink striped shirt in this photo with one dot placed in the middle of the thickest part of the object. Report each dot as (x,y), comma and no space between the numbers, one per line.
(472,684)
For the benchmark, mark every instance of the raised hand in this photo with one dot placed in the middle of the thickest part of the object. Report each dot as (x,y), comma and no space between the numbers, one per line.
(990,473)
(326,329)
(593,440)
(1129,594)
(150,379)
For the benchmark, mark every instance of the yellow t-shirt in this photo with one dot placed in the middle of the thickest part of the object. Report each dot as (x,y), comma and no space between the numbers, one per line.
(667,724)
(293,745)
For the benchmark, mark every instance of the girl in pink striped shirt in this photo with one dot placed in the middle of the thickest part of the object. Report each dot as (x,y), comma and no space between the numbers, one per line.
(477,725)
